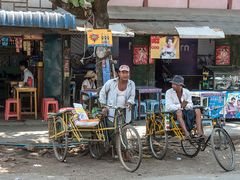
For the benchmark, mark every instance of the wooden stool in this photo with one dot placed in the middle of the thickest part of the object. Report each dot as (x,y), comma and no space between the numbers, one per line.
(8,113)
(47,104)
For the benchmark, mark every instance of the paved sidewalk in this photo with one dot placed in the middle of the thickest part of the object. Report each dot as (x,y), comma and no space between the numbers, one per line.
(35,131)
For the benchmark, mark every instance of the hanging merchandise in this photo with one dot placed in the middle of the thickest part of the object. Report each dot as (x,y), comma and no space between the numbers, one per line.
(18,41)
(5,41)
(24,45)
(41,46)
(140,55)
(28,48)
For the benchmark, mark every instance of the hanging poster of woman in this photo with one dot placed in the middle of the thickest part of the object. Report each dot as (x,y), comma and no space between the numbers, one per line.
(165,47)
(140,55)
(223,55)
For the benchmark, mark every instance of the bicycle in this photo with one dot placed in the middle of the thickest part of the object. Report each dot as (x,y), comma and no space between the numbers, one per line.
(219,139)
(64,133)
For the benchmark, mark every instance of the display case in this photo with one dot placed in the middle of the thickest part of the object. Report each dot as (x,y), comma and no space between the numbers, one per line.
(221,78)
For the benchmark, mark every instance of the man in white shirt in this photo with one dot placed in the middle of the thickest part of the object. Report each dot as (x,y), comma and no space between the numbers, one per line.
(28,76)
(118,92)
(179,101)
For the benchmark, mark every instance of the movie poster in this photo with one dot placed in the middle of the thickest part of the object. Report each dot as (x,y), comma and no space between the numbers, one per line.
(140,55)
(165,47)
(222,55)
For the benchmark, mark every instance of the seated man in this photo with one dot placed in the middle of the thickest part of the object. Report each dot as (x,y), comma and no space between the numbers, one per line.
(179,101)
(28,76)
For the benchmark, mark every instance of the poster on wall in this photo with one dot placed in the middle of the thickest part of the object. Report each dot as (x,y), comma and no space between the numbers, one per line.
(222,55)
(233,105)
(140,55)
(165,47)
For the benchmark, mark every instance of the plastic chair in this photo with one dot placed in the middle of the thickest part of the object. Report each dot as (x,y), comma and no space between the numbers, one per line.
(43,103)
(143,109)
(8,113)
(47,104)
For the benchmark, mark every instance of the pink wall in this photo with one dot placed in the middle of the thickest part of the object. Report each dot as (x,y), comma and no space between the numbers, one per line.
(125,3)
(168,3)
(210,4)
(235,4)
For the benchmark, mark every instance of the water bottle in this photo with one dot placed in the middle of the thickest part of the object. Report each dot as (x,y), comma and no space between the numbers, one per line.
(29,81)
(167,122)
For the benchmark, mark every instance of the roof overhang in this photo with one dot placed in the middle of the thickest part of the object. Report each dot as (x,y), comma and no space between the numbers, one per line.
(204,32)
(118,30)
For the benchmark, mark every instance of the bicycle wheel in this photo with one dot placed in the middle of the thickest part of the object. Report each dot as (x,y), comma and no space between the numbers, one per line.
(190,147)
(60,144)
(96,149)
(158,141)
(129,148)
(223,149)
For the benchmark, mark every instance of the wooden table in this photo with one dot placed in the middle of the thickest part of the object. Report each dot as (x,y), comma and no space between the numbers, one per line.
(147,90)
(30,90)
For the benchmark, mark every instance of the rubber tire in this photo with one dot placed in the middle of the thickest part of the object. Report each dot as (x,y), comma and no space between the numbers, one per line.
(119,148)
(193,154)
(227,137)
(154,153)
(60,157)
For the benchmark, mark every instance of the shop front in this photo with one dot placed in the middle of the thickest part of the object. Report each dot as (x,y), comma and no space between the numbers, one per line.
(40,39)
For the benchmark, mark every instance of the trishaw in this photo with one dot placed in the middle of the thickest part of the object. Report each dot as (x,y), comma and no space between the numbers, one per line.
(159,132)
(66,131)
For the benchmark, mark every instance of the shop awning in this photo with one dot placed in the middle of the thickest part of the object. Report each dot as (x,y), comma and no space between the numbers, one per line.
(204,32)
(118,30)
(51,20)
(163,21)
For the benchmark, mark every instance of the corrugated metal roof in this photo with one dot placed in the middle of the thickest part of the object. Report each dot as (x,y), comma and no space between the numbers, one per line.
(37,19)
(147,20)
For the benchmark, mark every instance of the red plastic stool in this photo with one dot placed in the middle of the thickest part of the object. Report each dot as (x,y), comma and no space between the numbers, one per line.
(43,102)
(47,104)
(8,113)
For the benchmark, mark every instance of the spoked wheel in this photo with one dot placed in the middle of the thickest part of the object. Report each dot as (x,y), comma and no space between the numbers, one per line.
(158,141)
(223,149)
(60,144)
(129,148)
(191,147)
(96,149)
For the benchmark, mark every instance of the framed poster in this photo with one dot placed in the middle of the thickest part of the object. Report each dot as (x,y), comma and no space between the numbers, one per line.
(165,47)
(140,55)
(223,55)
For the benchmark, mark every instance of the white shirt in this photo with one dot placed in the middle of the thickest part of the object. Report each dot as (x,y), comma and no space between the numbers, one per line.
(172,101)
(121,100)
(27,74)
(90,85)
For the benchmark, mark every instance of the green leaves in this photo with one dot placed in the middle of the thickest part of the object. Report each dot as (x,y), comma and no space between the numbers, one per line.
(82,3)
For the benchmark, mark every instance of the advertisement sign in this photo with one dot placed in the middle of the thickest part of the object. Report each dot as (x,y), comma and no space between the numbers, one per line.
(99,37)
(165,47)
(223,55)
(140,55)
(233,105)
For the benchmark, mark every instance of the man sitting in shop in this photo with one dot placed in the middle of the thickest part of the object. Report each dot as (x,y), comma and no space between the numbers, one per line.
(179,101)
(28,78)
